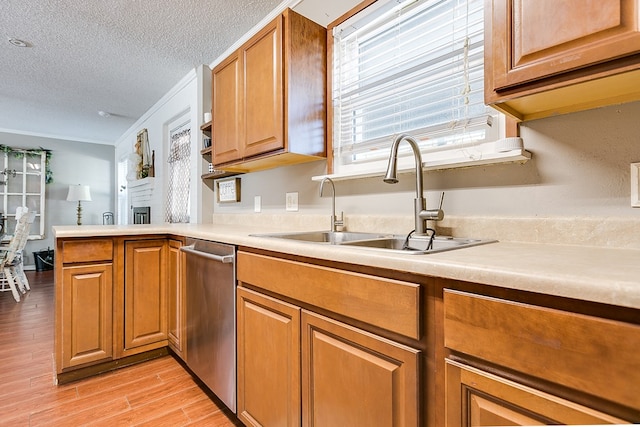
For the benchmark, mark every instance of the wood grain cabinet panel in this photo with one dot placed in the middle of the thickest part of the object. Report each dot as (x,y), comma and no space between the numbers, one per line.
(263,80)
(177,299)
(269,98)
(584,353)
(268,361)
(87,294)
(546,56)
(87,250)
(476,399)
(390,304)
(145,315)
(227,105)
(353,378)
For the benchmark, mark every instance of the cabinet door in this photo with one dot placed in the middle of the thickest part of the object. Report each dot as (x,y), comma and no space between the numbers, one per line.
(177,299)
(263,90)
(353,378)
(532,39)
(226,111)
(476,398)
(145,294)
(268,361)
(87,294)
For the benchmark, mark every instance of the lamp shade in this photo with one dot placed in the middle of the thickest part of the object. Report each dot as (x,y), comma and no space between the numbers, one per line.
(79,193)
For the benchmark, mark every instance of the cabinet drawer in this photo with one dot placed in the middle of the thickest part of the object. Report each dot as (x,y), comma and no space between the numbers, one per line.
(87,250)
(594,355)
(389,304)
(478,398)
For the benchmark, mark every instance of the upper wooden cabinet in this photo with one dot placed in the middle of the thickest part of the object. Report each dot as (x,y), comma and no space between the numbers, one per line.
(269,98)
(263,86)
(227,104)
(545,57)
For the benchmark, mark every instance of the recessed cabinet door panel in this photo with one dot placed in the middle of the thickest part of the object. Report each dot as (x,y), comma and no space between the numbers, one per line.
(548,37)
(353,378)
(87,295)
(227,106)
(268,361)
(476,398)
(145,293)
(263,91)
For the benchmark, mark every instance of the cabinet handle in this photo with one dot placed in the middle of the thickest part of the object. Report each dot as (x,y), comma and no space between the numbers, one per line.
(225,259)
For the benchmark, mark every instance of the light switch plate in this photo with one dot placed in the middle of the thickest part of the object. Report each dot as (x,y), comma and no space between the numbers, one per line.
(635,185)
(292,202)
(257,204)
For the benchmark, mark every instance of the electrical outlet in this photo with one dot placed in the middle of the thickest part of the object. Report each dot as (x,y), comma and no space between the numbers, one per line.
(292,202)
(257,204)
(635,185)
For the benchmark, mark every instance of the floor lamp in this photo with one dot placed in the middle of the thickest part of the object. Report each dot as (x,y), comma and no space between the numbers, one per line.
(79,193)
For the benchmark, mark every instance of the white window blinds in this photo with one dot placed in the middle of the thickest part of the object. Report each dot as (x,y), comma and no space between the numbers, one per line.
(409,66)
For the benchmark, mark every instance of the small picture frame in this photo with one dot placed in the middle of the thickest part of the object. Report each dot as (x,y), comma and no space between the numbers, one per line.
(228,190)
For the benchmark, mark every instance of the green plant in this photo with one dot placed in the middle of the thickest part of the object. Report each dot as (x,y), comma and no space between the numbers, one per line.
(19,153)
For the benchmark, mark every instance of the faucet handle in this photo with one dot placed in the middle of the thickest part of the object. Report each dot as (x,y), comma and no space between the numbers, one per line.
(338,222)
(433,214)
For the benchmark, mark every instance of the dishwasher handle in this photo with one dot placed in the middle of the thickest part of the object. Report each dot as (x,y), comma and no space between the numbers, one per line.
(225,259)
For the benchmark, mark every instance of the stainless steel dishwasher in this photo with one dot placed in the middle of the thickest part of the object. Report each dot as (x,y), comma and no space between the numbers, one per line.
(211,316)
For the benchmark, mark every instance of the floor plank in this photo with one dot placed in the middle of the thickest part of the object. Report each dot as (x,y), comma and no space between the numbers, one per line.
(159,392)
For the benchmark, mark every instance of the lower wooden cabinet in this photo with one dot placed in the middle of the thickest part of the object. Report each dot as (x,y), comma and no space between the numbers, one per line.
(566,357)
(476,398)
(145,313)
(353,378)
(176,312)
(86,297)
(296,367)
(268,361)
(117,297)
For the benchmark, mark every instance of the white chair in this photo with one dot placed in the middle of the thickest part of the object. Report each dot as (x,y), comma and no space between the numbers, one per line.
(17,266)
(11,260)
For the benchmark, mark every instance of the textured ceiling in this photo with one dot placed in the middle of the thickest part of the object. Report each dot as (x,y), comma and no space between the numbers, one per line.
(119,56)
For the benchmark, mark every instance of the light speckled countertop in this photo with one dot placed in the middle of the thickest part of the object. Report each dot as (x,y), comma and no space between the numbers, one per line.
(606,275)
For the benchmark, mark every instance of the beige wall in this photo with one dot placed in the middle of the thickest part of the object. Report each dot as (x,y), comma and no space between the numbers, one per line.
(580,168)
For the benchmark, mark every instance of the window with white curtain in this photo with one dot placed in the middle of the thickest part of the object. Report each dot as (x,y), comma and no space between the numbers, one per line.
(415,67)
(179,171)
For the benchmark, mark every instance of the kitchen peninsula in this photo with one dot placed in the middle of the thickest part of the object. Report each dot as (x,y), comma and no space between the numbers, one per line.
(500,331)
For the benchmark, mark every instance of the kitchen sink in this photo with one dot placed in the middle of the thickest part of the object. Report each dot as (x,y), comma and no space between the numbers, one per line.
(330,237)
(381,241)
(418,245)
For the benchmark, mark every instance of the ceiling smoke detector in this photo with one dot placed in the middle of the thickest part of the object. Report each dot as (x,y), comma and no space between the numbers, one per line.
(19,43)
(103,113)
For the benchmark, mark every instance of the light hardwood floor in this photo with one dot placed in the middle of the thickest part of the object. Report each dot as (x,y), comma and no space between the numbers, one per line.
(155,393)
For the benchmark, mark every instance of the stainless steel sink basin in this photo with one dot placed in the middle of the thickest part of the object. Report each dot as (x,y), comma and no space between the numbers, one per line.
(416,245)
(380,241)
(330,237)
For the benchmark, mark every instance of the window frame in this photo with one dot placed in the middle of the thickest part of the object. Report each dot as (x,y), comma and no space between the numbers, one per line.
(40,171)
(507,128)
